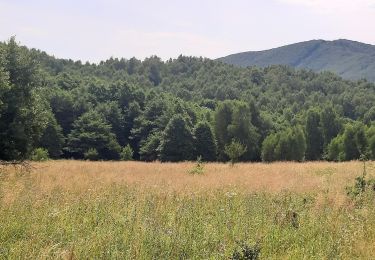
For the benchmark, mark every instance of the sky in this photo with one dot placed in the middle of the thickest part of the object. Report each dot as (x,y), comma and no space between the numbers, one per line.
(94,30)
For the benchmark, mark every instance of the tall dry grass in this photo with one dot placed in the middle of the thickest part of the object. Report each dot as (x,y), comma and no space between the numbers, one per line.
(248,177)
(134,210)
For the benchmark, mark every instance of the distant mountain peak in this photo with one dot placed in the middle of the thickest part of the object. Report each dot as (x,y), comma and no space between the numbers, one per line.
(350,59)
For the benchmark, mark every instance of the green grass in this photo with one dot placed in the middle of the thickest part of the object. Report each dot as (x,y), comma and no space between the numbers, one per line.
(121,221)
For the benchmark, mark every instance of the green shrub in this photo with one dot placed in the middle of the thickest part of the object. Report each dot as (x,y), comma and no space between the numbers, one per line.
(361,184)
(199,167)
(39,154)
(246,252)
(91,154)
(127,153)
(235,150)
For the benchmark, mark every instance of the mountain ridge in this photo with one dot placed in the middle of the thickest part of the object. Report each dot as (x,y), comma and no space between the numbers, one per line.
(350,59)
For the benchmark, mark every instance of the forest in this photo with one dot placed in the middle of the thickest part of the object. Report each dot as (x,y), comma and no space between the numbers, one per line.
(178,110)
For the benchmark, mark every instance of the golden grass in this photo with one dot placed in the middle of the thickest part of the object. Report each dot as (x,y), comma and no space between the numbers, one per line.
(251,177)
(84,176)
(135,210)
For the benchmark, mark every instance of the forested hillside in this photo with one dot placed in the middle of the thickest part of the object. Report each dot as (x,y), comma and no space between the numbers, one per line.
(178,110)
(349,59)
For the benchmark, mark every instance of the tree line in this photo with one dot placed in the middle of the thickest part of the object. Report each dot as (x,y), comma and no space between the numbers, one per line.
(178,110)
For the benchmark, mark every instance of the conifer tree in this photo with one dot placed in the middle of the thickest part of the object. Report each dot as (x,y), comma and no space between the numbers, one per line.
(205,144)
(177,143)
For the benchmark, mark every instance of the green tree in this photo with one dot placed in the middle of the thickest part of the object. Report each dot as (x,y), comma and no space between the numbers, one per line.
(177,142)
(39,155)
(4,81)
(361,139)
(350,148)
(22,119)
(91,131)
(370,133)
(91,154)
(223,118)
(205,144)
(52,138)
(287,145)
(242,130)
(114,116)
(298,144)
(335,150)
(127,153)
(330,124)
(149,147)
(314,136)
(234,150)
(268,148)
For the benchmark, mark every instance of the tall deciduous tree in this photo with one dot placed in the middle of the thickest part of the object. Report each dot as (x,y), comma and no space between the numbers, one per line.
(243,130)
(22,119)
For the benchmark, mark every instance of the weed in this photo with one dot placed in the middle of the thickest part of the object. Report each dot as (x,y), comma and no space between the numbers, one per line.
(361,184)
(199,167)
(246,252)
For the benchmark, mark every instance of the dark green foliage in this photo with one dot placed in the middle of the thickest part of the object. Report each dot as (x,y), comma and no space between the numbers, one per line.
(205,144)
(350,143)
(45,102)
(335,151)
(223,118)
(177,142)
(314,136)
(268,148)
(371,142)
(369,116)
(233,120)
(288,145)
(52,138)
(330,124)
(149,147)
(243,130)
(22,111)
(91,131)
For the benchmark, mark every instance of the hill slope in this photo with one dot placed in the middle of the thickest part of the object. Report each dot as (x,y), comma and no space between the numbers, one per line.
(350,59)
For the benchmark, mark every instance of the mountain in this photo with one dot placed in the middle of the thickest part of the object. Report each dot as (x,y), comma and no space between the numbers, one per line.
(349,59)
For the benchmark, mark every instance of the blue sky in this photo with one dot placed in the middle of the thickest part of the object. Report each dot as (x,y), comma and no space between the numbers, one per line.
(98,29)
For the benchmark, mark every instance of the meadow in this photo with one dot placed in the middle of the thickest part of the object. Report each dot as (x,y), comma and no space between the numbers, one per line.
(133,210)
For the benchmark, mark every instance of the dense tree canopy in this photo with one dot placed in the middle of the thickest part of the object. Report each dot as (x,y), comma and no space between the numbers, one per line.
(178,109)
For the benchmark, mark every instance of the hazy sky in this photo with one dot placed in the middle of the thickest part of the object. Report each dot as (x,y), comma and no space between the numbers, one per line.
(97,29)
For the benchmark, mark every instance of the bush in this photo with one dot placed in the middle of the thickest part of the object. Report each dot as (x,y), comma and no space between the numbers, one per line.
(199,167)
(361,183)
(127,153)
(246,252)
(39,155)
(91,154)
(235,150)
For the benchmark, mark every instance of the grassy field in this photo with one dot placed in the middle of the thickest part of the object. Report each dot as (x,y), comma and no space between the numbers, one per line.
(133,210)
